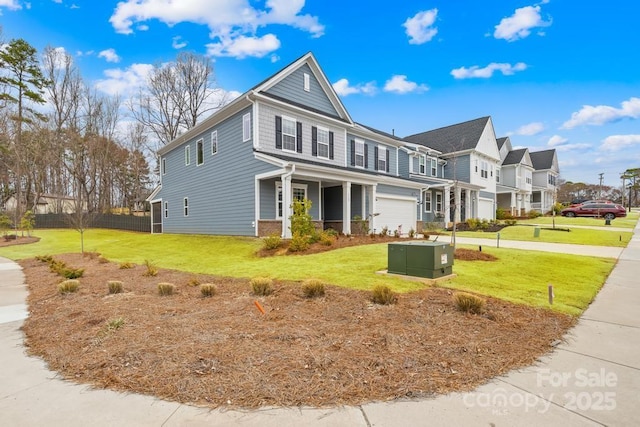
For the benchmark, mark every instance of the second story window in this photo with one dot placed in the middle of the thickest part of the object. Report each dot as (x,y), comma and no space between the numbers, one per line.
(164,166)
(323,142)
(497,175)
(484,171)
(288,134)
(246,127)
(434,167)
(199,152)
(382,159)
(214,142)
(552,179)
(187,155)
(359,154)
(422,165)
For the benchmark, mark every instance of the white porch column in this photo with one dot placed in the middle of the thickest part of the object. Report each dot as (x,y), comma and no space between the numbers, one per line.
(468,206)
(457,198)
(363,196)
(372,207)
(513,207)
(287,209)
(346,207)
(446,205)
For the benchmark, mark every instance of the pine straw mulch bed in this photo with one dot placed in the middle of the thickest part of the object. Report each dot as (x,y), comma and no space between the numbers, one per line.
(21,240)
(336,350)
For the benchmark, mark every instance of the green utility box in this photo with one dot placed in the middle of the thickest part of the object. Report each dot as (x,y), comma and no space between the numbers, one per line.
(421,259)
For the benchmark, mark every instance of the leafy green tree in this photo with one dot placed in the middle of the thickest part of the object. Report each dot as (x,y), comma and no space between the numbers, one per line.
(23,84)
(302,221)
(28,222)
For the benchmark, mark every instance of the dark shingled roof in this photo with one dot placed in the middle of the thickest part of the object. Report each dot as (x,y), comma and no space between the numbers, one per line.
(449,139)
(542,159)
(388,135)
(514,157)
(501,141)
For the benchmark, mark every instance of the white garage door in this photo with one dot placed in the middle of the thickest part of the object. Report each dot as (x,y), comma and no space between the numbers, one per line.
(486,209)
(394,212)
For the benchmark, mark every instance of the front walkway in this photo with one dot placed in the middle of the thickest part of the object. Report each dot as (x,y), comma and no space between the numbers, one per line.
(592,379)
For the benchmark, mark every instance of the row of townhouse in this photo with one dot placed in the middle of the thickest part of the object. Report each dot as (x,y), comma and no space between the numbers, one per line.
(290,137)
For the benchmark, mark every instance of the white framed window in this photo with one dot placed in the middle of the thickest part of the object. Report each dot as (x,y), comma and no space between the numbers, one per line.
(438,202)
(298,192)
(166,209)
(422,164)
(289,134)
(528,177)
(476,165)
(186,206)
(382,159)
(323,143)
(187,155)
(199,152)
(307,82)
(427,201)
(246,127)
(163,166)
(434,167)
(497,174)
(484,171)
(214,142)
(359,153)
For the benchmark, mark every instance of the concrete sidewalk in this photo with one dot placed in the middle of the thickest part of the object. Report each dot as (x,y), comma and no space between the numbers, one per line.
(591,379)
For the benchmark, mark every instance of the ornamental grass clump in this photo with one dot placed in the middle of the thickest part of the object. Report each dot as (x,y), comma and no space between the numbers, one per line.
(152,270)
(382,294)
(125,265)
(166,289)
(312,288)
(262,286)
(68,286)
(115,286)
(468,303)
(208,289)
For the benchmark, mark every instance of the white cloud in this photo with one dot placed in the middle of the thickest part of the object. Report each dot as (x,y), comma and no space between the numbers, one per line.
(177,43)
(241,46)
(572,147)
(399,84)
(420,28)
(601,114)
(109,55)
(10,4)
(232,23)
(530,129)
(127,81)
(519,25)
(556,140)
(617,142)
(486,72)
(343,88)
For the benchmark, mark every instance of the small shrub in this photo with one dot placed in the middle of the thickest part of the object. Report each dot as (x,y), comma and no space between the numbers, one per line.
(473,223)
(299,243)
(115,286)
(103,260)
(115,324)
(208,289)
(71,273)
(125,265)
(274,241)
(383,294)
(165,289)
(384,232)
(396,233)
(261,286)
(152,270)
(45,258)
(503,214)
(534,214)
(484,224)
(327,239)
(332,232)
(468,303)
(68,286)
(194,281)
(313,288)
(510,221)
(412,233)
(57,266)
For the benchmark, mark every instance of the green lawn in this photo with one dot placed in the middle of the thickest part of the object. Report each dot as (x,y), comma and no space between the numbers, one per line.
(579,236)
(519,276)
(628,222)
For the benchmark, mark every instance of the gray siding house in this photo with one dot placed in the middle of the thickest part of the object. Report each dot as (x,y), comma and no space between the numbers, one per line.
(290,137)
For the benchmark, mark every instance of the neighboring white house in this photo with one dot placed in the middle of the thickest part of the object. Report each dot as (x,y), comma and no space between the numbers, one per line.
(47,203)
(514,179)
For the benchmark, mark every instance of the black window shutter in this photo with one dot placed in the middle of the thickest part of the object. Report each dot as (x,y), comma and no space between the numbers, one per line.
(387,162)
(353,152)
(279,132)
(375,158)
(366,156)
(314,141)
(299,137)
(331,145)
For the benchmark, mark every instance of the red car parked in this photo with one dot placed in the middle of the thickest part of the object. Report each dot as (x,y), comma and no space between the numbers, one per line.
(605,210)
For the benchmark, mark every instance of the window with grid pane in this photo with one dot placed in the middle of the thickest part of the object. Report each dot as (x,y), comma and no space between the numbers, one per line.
(288,134)
(323,143)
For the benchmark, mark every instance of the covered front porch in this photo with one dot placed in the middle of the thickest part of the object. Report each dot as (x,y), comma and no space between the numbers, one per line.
(516,202)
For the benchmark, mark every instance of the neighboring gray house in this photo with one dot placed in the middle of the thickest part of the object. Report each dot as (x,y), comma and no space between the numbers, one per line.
(287,138)
(471,154)
(290,137)
(545,179)
(514,179)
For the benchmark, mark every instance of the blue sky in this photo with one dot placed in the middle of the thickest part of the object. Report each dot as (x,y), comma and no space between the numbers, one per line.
(555,73)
